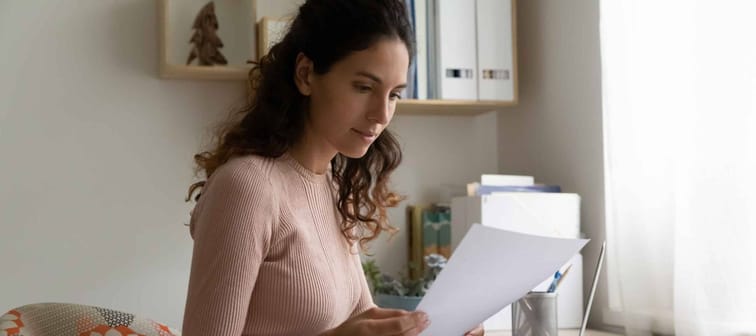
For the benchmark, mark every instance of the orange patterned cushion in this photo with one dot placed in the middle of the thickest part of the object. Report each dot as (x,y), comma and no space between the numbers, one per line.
(63,319)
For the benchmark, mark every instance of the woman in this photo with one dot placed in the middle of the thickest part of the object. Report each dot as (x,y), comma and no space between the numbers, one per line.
(301,179)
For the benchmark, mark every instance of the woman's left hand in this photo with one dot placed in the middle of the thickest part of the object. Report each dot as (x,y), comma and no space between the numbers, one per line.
(478,331)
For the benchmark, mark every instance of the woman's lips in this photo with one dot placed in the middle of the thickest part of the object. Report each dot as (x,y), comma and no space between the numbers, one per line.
(367,136)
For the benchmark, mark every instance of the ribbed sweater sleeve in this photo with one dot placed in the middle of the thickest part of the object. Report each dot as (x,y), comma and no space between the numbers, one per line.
(238,220)
(366,299)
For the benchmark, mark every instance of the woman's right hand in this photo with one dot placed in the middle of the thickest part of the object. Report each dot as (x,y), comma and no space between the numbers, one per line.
(379,321)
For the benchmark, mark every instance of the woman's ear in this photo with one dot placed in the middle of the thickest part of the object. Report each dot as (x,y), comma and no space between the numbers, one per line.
(303,74)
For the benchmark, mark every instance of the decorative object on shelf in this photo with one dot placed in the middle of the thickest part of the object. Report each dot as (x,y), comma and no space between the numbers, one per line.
(405,292)
(206,41)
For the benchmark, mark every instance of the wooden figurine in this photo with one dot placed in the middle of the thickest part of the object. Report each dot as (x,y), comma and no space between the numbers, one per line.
(206,43)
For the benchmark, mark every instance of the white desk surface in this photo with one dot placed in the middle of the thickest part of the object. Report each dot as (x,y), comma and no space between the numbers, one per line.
(562,332)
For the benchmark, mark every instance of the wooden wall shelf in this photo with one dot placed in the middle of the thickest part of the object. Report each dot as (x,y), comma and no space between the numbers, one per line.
(450,107)
(169,68)
(201,72)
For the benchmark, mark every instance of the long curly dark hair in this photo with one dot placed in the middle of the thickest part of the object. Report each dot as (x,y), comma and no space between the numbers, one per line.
(325,31)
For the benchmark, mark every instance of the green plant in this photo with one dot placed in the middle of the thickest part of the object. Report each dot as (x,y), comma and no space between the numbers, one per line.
(381,283)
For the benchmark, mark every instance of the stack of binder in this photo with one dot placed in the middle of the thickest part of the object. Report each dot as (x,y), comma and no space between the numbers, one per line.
(467,47)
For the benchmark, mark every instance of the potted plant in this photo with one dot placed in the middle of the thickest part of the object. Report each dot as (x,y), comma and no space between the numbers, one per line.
(403,292)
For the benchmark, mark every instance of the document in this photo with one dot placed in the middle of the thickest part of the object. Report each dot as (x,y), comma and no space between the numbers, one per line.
(490,269)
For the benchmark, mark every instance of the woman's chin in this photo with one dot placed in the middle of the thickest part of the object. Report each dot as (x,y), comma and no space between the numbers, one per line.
(354,153)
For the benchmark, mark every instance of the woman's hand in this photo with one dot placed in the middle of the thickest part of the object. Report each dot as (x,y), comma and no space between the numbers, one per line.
(478,331)
(379,321)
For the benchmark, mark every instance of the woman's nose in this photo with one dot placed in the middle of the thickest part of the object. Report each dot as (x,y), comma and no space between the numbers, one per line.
(380,111)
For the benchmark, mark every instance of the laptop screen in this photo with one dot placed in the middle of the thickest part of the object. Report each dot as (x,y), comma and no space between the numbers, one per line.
(593,289)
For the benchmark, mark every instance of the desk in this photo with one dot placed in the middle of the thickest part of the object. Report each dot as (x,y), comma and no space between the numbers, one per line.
(562,332)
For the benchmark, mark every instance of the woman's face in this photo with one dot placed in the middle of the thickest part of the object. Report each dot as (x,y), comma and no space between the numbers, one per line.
(354,101)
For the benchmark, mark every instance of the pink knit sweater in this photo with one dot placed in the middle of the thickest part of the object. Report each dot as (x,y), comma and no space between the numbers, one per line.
(269,257)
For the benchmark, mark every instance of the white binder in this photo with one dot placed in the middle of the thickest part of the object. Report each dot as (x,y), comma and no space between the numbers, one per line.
(455,68)
(544,214)
(495,56)
(421,39)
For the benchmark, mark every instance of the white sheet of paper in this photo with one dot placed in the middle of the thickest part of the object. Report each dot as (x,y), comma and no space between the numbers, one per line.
(490,269)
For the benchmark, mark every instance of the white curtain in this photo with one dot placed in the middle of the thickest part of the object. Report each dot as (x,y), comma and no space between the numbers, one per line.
(679,102)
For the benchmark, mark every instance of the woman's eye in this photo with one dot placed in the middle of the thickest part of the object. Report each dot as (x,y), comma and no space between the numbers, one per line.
(363,88)
(395,96)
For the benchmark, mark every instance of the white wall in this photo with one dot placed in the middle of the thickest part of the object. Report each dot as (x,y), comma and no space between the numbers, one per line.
(555,133)
(96,158)
(438,151)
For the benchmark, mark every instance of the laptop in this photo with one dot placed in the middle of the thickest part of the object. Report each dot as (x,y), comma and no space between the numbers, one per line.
(593,289)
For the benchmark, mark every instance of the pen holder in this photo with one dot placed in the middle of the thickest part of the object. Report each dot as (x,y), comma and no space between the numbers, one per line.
(535,314)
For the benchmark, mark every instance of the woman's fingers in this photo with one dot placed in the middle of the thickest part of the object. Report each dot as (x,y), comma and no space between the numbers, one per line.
(478,331)
(384,322)
(397,322)
(379,313)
